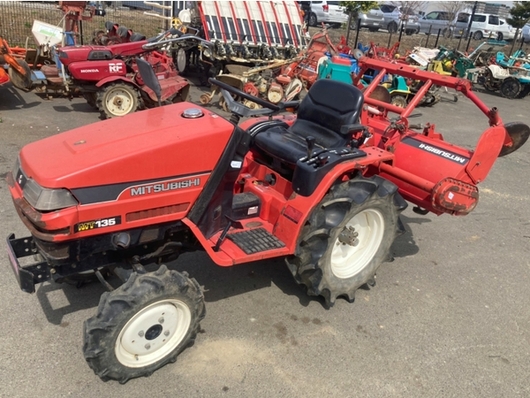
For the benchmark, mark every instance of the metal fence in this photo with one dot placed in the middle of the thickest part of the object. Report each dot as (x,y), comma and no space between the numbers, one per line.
(16,20)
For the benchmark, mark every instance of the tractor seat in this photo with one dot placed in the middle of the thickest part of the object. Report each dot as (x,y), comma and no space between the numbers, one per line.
(328,106)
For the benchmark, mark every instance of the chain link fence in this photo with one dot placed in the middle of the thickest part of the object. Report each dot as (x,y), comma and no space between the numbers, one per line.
(16,20)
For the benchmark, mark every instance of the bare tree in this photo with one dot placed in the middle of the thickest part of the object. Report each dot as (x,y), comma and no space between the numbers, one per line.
(410,7)
(453,8)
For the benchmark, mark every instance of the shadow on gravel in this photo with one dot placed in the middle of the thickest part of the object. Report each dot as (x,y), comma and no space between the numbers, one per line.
(10,99)
(219,283)
(79,298)
(223,282)
(74,107)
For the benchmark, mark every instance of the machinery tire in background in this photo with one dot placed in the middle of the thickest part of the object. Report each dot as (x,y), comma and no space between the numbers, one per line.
(399,100)
(347,237)
(22,82)
(182,61)
(489,81)
(510,87)
(143,325)
(117,99)
(524,91)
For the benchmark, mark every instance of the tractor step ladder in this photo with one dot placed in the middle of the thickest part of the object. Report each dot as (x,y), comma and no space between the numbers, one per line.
(255,240)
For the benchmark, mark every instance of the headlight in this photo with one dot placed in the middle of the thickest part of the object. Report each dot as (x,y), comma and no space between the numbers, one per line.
(43,199)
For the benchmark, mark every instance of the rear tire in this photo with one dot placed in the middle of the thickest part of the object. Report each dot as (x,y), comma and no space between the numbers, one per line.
(524,91)
(117,99)
(511,88)
(347,237)
(91,99)
(21,81)
(478,35)
(143,325)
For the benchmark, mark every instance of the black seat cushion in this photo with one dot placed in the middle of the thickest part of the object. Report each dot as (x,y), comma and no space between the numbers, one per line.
(328,106)
(282,144)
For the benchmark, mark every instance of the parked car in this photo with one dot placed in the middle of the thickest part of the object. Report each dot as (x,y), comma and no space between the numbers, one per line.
(395,17)
(484,26)
(373,20)
(435,20)
(506,31)
(329,12)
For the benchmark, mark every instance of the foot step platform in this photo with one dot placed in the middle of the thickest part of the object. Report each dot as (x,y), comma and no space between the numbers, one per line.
(255,240)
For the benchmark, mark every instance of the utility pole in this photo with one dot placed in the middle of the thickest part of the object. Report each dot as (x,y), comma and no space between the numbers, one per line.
(470,23)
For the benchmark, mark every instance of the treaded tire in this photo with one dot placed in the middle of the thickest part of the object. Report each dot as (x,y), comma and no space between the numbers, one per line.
(91,99)
(131,313)
(524,91)
(345,205)
(511,87)
(117,99)
(399,100)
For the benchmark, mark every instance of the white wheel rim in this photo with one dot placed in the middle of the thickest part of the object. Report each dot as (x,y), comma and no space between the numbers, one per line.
(119,101)
(181,60)
(348,260)
(153,333)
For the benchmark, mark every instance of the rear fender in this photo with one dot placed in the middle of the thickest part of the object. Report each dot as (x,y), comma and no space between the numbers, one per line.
(111,79)
(298,207)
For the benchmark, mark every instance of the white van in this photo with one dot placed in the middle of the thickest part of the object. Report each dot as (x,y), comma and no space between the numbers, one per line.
(484,26)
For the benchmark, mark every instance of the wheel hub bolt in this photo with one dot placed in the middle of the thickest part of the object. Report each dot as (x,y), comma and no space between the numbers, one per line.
(348,236)
(166,333)
(147,346)
(161,320)
(141,333)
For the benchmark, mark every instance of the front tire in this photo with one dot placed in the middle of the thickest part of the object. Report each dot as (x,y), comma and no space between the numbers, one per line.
(117,99)
(347,237)
(143,325)
(478,35)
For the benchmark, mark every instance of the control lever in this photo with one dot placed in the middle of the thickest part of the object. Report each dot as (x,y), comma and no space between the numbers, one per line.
(310,140)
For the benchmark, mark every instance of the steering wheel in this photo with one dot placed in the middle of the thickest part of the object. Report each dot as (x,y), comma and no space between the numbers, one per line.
(241,110)
(238,92)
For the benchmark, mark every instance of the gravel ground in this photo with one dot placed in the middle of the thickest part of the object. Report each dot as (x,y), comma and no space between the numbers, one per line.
(448,318)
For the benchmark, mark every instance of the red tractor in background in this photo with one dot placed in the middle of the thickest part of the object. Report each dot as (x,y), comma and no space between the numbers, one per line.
(323,189)
(109,79)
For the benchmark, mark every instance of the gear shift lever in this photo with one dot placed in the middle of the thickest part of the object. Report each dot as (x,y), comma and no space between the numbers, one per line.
(310,140)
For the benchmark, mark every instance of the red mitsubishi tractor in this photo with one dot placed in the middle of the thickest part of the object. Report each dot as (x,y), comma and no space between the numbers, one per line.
(323,189)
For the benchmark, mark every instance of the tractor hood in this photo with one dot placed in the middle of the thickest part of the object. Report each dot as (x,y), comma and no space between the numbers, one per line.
(144,146)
